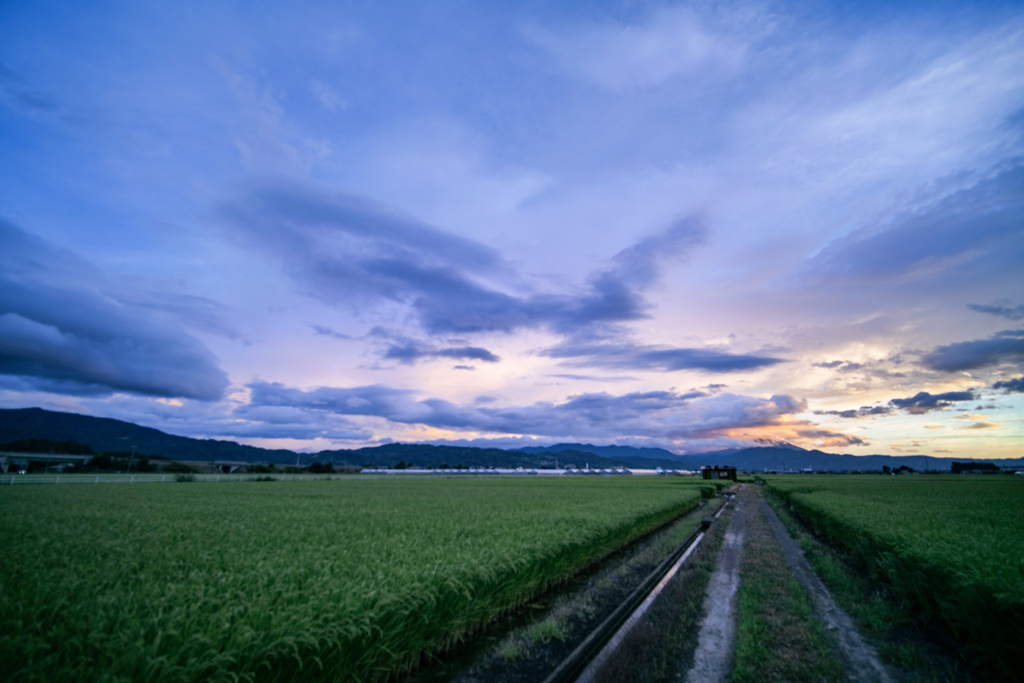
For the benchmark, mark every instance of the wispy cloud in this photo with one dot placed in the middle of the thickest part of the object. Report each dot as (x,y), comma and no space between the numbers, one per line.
(343,248)
(1003,311)
(669,42)
(960,236)
(666,359)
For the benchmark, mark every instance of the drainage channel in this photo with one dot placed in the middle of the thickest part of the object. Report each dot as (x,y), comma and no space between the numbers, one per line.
(510,651)
(586,660)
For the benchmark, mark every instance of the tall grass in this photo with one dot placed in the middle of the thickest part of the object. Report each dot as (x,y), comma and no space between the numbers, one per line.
(347,580)
(951,546)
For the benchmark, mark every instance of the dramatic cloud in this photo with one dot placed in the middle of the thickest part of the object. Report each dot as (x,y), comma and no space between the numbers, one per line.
(1011,386)
(1010,312)
(1003,347)
(655,414)
(628,356)
(344,249)
(923,402)
(971,233)
(801,199)
(60,332)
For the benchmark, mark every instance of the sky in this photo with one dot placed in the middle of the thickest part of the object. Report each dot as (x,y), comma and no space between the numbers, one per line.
(694,226)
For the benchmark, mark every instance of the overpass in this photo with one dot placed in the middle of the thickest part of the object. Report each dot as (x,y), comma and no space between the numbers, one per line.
(22,460)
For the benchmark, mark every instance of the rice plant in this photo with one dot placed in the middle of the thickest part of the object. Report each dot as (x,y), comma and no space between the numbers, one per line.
(952,546)
(344,580)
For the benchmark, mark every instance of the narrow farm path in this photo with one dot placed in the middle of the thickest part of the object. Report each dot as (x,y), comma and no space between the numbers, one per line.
(713,659)
(863,663)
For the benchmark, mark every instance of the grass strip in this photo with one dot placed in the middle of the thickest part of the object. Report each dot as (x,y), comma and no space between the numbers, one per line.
(778,637)
(881,615)
(950,548)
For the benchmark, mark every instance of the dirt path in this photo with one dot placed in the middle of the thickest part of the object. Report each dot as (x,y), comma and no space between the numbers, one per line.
(863,664)
(713,658)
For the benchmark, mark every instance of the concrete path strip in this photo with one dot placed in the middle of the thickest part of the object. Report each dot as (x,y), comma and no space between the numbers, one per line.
(713,659)
(864,666)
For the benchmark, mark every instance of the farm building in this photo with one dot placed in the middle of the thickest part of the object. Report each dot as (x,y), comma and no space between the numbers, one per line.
(718,472)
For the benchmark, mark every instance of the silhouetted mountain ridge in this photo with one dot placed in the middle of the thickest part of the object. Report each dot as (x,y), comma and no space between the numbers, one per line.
(106,434)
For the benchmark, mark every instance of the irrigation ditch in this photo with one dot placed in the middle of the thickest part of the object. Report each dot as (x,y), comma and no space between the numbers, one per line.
(574,631)
(672,607)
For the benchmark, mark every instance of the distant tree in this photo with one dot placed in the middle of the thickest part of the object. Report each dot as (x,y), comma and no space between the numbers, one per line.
(180,467)
(963,467)
(47,446)
(102,461)
(321,468)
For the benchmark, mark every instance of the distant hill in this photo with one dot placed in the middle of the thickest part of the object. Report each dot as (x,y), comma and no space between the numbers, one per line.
(105,434)
(434,456)
(108,435)
(606,451)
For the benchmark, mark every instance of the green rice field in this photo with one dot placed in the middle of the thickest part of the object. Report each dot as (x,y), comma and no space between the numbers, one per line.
(951,546)
(272,581)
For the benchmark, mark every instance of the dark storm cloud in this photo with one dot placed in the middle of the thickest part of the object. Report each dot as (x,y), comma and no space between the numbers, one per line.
(1003,347)
(663,414)
(1011,386)
(60,332)
(923,402)
(973,232)
(1010,312)
(344,248)
(637,357)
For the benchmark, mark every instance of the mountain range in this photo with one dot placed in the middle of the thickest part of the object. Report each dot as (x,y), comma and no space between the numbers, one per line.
(109,435)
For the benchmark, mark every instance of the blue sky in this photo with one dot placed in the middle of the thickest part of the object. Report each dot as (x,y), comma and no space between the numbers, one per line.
(689,225)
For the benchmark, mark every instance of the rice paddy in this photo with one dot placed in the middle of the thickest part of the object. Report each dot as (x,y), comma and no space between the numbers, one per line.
(332,580)
(951,546)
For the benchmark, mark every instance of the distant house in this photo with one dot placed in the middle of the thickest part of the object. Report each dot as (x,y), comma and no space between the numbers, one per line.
(231,466)
(718,472)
